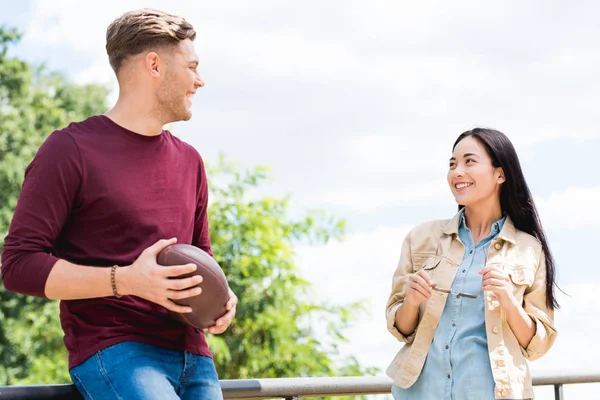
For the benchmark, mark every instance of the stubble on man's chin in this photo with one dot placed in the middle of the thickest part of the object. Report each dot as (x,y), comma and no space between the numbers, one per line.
(169,116)
(181,117)
(187,115)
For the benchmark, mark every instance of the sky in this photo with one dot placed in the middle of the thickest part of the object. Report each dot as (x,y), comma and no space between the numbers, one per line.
(355,106)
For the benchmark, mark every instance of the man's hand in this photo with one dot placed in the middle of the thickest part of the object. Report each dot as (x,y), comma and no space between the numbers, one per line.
(223,323)
(148,280)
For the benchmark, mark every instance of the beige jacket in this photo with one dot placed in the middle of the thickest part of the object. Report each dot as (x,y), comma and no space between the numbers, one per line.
(435,247)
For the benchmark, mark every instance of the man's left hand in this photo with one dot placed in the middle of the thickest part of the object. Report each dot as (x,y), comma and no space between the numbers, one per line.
(223,323)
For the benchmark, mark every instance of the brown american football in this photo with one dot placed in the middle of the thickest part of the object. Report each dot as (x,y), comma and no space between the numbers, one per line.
(209,305)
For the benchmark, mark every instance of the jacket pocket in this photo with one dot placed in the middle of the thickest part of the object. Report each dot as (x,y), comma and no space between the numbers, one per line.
(520,275)
(521,278)
(426,263)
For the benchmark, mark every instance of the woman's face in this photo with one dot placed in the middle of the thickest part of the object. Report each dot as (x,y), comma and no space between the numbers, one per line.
(472,177)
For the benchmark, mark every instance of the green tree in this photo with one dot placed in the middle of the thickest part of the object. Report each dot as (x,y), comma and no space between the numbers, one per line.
(274,333)
(275,330)
(33,103)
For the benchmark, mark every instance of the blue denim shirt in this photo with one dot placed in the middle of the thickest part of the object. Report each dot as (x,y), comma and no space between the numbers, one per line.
(458,363)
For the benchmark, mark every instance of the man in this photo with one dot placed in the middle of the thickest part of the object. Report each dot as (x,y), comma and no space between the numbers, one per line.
(101,198)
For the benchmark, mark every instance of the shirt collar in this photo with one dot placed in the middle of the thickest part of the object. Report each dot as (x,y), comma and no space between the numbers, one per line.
(505,228)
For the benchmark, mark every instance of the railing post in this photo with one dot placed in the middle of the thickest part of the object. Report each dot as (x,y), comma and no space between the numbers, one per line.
(558,392)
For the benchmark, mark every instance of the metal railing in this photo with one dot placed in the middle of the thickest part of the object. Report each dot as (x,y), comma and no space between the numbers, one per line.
(287,388)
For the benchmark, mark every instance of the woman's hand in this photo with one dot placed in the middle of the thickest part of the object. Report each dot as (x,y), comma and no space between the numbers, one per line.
(419,288)
(497,281)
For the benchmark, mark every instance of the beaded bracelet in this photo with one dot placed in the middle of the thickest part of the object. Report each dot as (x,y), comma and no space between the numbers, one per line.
(112,282)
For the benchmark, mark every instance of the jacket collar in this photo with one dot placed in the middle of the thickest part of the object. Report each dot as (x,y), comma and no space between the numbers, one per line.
(508,232)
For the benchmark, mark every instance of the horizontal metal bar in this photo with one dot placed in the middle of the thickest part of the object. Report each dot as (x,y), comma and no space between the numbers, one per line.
(304,387)
(567,379)
(314,387)
(282,387)
(40,392)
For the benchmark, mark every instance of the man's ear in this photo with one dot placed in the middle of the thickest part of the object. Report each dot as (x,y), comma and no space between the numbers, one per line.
(152,64)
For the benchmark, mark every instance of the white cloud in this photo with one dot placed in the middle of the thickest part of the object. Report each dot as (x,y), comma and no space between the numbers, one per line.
(390,153)
(576,348)
(61,24)
(365,200)
(97,72)
(366,98)
(359,268)
(392,171)
(572,208)
(456,63)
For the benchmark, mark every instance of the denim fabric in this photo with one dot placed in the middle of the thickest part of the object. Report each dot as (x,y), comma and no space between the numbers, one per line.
(132,370)
(457,366)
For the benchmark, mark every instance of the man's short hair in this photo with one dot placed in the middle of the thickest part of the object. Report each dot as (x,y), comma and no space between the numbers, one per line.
(142,30)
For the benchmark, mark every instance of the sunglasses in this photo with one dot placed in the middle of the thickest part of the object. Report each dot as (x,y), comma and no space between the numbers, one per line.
(462,294)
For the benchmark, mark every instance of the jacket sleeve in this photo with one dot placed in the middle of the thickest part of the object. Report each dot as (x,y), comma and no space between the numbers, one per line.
(399,287)
(534,303)
(51,183)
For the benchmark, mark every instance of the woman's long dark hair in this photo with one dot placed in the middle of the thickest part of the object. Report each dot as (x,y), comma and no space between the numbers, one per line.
(515,198)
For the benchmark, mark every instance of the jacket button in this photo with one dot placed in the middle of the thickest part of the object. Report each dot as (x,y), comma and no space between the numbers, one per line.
(500,363)
(498,246)
(495,329)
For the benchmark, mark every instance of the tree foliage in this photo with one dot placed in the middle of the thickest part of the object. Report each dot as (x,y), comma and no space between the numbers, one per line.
(33,103)
(275,333)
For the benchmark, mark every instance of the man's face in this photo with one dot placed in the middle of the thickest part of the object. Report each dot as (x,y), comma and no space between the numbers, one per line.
(180,83)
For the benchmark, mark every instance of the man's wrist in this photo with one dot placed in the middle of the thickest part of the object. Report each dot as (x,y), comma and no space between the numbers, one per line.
(121,275)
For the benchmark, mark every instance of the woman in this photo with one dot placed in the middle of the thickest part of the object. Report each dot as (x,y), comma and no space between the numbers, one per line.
(473,296)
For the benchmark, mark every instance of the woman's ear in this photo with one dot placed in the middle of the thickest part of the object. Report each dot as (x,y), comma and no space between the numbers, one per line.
(501,178)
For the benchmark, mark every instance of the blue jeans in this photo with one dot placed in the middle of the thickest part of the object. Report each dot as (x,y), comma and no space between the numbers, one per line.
(132,370)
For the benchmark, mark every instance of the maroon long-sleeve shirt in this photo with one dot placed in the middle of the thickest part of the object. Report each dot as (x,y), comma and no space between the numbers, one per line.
(97,194)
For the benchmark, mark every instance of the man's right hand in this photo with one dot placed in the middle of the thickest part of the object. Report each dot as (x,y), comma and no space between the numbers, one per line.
(148,280)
